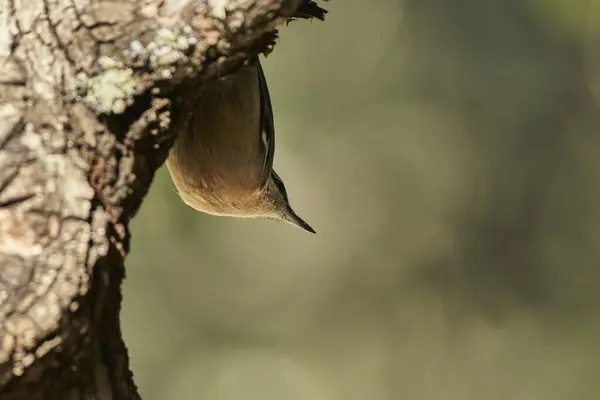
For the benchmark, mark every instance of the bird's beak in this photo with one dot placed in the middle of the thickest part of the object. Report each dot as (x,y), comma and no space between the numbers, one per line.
(293,218)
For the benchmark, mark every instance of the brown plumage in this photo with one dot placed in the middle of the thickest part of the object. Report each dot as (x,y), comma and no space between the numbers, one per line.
(222,161)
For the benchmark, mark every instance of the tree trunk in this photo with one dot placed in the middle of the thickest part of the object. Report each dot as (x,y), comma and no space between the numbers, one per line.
(91,96)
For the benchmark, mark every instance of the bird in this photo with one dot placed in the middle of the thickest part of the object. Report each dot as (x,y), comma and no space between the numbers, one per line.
(222,161)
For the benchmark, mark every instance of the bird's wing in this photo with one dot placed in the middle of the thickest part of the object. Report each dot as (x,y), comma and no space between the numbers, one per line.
(267,127)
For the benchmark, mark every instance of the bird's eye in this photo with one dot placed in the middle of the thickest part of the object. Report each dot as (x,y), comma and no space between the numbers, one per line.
(280,185)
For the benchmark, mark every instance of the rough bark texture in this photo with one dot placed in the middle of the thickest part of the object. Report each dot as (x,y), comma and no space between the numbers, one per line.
(91,95)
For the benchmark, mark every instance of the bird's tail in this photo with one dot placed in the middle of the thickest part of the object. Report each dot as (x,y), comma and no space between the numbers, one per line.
(308,10)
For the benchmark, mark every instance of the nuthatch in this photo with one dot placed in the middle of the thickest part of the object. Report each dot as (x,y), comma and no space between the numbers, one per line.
(222,161)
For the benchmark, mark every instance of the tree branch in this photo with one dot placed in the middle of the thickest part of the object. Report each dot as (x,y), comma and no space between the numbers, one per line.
(92,94)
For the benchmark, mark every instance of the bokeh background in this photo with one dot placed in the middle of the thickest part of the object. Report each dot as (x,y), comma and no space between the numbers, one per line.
(448,155)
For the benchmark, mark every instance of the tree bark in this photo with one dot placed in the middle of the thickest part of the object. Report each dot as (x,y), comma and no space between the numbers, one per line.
(92,93)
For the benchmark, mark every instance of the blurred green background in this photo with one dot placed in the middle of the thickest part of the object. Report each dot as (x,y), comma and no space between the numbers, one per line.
(447,153)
